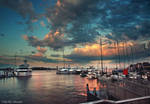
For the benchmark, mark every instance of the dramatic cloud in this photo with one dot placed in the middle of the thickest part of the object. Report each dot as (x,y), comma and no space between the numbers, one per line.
(72,18)
(129,18)
(82,22)
(42,50)
(24,8)
(33,40)
(40,53)
(52,40)
(124,50)
(91,52)
(94,50)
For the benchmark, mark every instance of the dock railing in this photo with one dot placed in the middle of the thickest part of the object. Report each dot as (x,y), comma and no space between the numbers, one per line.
(127,89)
(125,92)
(139,100)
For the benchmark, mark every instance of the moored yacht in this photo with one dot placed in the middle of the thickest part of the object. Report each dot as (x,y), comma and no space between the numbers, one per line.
(63,71)
(23,70)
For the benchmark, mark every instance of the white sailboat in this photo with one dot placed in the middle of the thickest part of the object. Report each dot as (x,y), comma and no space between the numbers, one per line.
(63,70)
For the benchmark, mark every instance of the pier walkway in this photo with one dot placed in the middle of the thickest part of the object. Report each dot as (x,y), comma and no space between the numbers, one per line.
(139,100)
(127,89)
(123,92)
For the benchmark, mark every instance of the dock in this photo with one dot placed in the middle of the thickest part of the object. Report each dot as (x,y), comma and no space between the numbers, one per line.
(127,89)
(6,72)
(121,92)
(139,100)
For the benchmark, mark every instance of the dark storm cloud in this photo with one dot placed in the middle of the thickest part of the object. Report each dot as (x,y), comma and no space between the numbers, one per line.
(73,17)
(81,20)
(123,17)
(24,8)
(33,41)
(51,40)
(66,11)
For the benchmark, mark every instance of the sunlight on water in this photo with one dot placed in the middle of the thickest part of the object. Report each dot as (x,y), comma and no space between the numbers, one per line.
(46,87)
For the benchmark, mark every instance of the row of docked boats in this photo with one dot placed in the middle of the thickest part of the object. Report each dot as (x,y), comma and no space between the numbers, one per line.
(115,75)
(90,73)
(69,70)
(84,72)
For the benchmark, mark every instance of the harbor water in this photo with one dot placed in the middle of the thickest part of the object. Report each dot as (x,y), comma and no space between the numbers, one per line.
(45,87)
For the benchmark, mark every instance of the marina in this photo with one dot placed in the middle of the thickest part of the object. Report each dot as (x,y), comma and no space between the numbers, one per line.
(75,52)
(113,88)
(120,91)
(45,87)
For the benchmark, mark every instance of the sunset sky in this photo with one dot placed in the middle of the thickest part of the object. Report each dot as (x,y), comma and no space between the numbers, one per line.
(40,31)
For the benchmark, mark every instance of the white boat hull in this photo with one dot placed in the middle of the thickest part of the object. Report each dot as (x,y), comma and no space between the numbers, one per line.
(23,72)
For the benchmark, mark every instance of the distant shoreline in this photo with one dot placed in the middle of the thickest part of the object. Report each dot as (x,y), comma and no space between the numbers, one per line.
(33,68)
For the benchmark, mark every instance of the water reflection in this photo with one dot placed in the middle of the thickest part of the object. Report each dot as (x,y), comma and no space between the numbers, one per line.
(45,87)
(92,84)
(23,82)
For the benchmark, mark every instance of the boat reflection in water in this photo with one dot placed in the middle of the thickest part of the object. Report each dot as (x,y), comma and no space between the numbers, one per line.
(46,87)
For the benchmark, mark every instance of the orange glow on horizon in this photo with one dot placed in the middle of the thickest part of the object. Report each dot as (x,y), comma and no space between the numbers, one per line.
(107,49)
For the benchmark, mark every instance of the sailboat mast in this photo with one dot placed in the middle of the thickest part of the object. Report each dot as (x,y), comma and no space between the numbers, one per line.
(118,54)
(115,54)
(63,58)
(15,61)
(101,48)
(124,54)
(132,54)
(127,54)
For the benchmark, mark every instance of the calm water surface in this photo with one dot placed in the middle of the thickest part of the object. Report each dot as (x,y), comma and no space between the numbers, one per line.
(45,87)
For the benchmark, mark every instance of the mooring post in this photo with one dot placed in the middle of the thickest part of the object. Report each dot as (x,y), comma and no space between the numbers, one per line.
(87,88)
(94,91)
